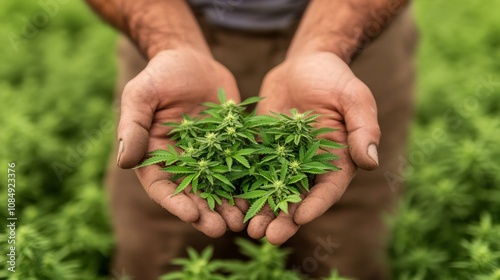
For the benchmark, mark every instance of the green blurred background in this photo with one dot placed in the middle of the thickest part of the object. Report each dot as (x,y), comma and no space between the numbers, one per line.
(57,73)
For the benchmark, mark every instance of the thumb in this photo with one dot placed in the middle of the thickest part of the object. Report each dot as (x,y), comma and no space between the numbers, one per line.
(138,105)
(362,127)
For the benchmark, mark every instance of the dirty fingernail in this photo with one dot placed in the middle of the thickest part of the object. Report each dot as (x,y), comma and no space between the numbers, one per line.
(120,151)
(373,153)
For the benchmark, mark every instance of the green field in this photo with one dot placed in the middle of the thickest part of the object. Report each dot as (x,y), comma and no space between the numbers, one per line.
(57,75)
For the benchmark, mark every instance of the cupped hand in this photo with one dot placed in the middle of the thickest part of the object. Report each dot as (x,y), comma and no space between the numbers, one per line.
(174,83)
(324,83)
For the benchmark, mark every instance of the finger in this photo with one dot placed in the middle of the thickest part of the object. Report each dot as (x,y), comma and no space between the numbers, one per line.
(138,105)
(360,115)
(210,222)
(160,188)
(283,227)
(232,215)
(242,204)
(258,224)
(327,191)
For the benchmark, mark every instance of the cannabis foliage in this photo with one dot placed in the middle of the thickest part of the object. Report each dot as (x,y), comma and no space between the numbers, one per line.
(221,158)
(265,261)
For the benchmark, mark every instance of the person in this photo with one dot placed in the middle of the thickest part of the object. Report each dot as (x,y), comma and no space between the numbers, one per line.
(337,58)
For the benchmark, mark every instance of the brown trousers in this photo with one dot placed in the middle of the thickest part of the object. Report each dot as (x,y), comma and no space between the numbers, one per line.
(351,236)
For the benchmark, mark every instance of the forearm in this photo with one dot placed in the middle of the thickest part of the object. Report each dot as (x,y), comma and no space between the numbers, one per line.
(154,25)
(343,27)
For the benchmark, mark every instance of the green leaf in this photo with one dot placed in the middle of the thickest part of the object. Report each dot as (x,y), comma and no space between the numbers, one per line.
(324,143)
(322,130)
(229,163)
(225,195)
(325,157)
(179,170)
(223,179)
(255,208)
(222,95)
(262,120)
(305,183)
(293,198)
(266,175)
(242,160)
(210,105)
(296,178)
(283,206)
(194,184)
(251,100)
(252,194)
(220,169)
(244,152)
(211,202)
(272,204)
(284,170)
(311,151)
(151,161)
(184,183)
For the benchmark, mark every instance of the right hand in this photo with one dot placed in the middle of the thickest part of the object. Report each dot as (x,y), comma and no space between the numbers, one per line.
(173,83)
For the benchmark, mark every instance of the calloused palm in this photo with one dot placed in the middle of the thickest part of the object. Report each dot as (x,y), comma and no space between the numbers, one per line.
(324,83)
(173,83)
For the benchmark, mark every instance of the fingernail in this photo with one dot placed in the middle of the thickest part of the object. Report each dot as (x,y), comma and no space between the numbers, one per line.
(372,153)
(120,151)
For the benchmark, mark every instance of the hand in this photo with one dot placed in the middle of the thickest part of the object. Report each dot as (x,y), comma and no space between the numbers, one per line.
(324,83)
(173,83)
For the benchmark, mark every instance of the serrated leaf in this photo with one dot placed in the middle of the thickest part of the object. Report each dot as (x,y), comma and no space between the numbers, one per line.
(210,105)
(324,143)
(283,206)
(325,157)
(221,93)
(211,202)
(266,175)
(183,185)
(244,152)
(305,183)
(194,184)
(250,100)
(255,208)
(313,165)
(262,120)
(223,179)
(296,178)
(225,195)
(179,170)
(229,163)
(252,194)
(242,160)
(322,130)
(293,198)
(272,204)
(151,161)
(283,171)
(220,169)
(311,151)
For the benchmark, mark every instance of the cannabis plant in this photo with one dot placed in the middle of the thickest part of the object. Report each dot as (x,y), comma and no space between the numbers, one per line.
(265,262)
(227,153)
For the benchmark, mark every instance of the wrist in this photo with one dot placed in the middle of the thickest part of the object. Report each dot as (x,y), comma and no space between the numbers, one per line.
(342,46)
(156,25)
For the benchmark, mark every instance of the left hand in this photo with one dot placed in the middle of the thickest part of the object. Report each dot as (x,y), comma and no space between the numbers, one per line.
(324,83)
